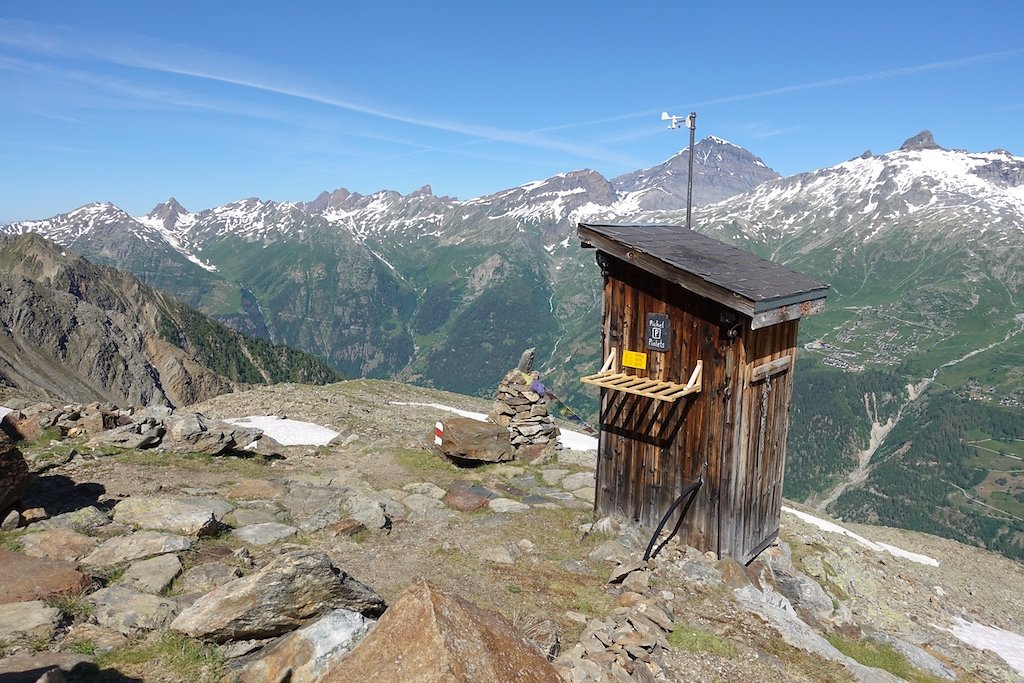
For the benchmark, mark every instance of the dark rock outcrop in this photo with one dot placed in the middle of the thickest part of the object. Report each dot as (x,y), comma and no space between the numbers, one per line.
(14,474)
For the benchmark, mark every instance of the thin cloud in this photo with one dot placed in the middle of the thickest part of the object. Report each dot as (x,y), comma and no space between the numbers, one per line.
(801,87)
(219,67)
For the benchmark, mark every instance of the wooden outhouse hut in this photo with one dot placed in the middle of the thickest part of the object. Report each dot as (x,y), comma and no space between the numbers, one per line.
(699,346)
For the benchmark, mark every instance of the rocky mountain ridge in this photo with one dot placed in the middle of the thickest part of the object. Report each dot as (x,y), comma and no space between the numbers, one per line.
(74,330)
(308,269)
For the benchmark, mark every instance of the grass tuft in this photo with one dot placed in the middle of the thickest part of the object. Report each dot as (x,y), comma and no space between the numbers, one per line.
(691,639)
(170,653)
(880,656)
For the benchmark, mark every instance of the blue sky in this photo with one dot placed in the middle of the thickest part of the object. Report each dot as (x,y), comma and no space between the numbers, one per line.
(216,101)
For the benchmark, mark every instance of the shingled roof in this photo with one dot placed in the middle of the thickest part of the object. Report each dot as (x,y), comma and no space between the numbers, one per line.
(731,276)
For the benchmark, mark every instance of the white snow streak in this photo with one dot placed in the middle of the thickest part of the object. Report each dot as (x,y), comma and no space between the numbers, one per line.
(1008,644)
(287,432)
(825,525)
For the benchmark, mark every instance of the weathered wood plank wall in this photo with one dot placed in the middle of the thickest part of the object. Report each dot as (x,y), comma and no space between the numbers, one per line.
(650,450)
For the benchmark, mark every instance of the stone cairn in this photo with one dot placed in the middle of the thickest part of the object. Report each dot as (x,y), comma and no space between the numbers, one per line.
(522,409)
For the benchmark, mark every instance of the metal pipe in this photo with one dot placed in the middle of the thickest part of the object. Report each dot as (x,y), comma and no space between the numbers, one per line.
(691,123)
(689,490)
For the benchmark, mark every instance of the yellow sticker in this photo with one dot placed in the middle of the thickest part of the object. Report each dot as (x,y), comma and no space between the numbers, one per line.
(634,359)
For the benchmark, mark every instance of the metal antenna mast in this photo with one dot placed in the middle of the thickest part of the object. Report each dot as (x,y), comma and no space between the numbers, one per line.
(690,122)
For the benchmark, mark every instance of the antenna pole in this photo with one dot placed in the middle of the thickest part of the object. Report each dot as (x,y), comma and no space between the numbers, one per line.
(691,123)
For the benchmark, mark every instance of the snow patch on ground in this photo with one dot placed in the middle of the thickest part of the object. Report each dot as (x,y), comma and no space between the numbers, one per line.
(825,525)
(4,411)
(287,432)
(1008,644)
(568,438)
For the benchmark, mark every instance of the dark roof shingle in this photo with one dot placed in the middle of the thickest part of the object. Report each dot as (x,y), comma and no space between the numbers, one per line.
(759,283)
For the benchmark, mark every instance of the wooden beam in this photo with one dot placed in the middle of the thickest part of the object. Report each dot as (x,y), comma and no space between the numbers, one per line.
(786,313)
(772,367)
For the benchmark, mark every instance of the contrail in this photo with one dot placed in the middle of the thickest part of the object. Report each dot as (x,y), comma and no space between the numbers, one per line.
(185,60)
(828,83)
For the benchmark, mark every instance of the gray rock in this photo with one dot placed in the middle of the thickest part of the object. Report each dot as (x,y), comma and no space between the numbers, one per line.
(417,502)
(131,612)
(137,546)
(11,522)
(778,612)
(699,572)
(153,575)
(263,534)
(310,652)
(219,506)
(23,621)
(289,592)
(84,519)
(166,514)
(496,555)
(507,505)
(320,520)
(305,501)
(131,436)
(428,515)
(240,517)
(577,481)
(805,593)
(204,578)
(195,433)
(426,489)
(366,510)
(553,476)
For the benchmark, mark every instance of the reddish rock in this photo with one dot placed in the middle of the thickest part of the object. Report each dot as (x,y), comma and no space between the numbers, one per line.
(58,544)
(24,578)
(33,515)
(346,527)
(463,500)
(467,440)
(430,637)
(20,427)
(256,489)
(14,474)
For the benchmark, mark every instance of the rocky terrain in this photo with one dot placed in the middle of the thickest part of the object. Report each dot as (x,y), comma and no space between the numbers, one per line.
(185,557)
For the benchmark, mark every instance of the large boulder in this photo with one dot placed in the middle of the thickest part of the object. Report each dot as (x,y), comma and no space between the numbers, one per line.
(14,474)
(137,546)
(24,578)
(137,435)
(20,427)
(289,592)
(166,514)
(430,637)
(196,433)
(467,441)
(310,653)
(129,611)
